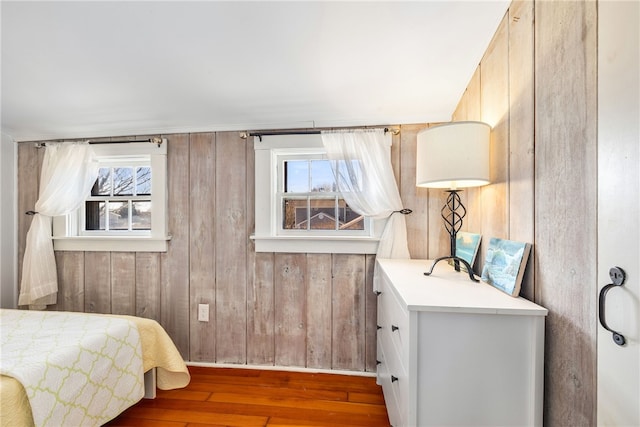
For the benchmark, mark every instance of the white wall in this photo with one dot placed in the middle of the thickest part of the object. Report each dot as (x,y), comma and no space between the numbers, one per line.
(8,224)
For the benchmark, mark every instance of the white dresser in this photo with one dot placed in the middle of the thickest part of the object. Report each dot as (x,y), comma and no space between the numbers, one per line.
(453,352)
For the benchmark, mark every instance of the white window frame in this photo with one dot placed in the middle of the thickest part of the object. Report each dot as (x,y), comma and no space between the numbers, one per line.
(269,237)
(68,230)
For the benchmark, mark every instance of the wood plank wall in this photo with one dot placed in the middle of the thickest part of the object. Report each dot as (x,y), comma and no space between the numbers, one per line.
(301,310)
(536,86)
(566,203)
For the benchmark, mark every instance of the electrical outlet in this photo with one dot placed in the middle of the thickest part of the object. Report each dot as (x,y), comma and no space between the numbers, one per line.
(203,312)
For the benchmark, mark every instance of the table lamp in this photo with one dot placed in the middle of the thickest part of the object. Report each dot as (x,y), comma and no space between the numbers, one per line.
(453,156)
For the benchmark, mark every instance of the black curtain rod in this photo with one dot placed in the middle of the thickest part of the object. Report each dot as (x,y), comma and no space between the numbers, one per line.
(154,140)
(285,132)
(302,132)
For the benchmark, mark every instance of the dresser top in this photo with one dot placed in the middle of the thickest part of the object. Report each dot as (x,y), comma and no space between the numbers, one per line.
(449,291)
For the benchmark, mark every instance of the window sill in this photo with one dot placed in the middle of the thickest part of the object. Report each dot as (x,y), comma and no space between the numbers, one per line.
(316,245)
(111,244)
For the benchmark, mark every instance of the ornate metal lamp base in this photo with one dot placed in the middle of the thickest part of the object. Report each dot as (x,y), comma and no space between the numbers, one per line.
(452,213)
(455,259)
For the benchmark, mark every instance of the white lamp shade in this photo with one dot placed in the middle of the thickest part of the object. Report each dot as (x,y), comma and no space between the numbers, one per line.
(453,155)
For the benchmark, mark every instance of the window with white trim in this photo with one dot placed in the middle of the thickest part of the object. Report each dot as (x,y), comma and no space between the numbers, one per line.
(309,201)
(120,200)
(298,206)
(126,210)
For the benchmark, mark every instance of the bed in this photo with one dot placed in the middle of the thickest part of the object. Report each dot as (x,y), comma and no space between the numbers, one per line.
(63,368)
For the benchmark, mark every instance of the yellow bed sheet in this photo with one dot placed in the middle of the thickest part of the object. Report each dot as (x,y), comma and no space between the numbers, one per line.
(158,351)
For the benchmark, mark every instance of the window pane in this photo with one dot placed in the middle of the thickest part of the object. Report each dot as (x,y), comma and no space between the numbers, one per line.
(122,181)
(314,207)
(322,178)
(141,215)
(350,175)
(295,214)
(349,220)
(118,215)
(322,214)
(94,215)
(143,181)
(102,186)
(296,176)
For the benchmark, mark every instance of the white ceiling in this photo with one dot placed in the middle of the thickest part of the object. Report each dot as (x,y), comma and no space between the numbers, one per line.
(93,68)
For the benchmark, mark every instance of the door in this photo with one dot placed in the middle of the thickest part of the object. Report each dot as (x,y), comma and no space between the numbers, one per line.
(618,210)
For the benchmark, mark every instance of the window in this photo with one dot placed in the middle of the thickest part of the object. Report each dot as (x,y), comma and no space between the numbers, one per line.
(120,199)
(308,198)
(298,205)
(126,209)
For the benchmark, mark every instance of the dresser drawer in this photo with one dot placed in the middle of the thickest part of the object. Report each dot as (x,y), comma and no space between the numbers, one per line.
(393,321)
(395,402)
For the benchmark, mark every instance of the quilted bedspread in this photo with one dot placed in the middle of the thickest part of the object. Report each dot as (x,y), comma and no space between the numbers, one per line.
(76,369)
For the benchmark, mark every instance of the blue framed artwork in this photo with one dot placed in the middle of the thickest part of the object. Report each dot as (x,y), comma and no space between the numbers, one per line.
(505,264)
(467,245)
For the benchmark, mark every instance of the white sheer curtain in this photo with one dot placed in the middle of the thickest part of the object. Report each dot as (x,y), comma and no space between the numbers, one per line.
(370,189)
(68,173)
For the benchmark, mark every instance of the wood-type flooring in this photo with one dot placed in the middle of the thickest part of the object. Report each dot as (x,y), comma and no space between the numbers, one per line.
(249,397)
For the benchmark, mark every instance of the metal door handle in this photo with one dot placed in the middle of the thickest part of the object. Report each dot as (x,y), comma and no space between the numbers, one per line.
(617,277)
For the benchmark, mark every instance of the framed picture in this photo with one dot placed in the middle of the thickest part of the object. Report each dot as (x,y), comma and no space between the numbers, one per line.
(467,245)
(505,264)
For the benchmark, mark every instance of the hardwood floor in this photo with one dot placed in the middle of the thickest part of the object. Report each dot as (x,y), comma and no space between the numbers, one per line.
(247,397)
